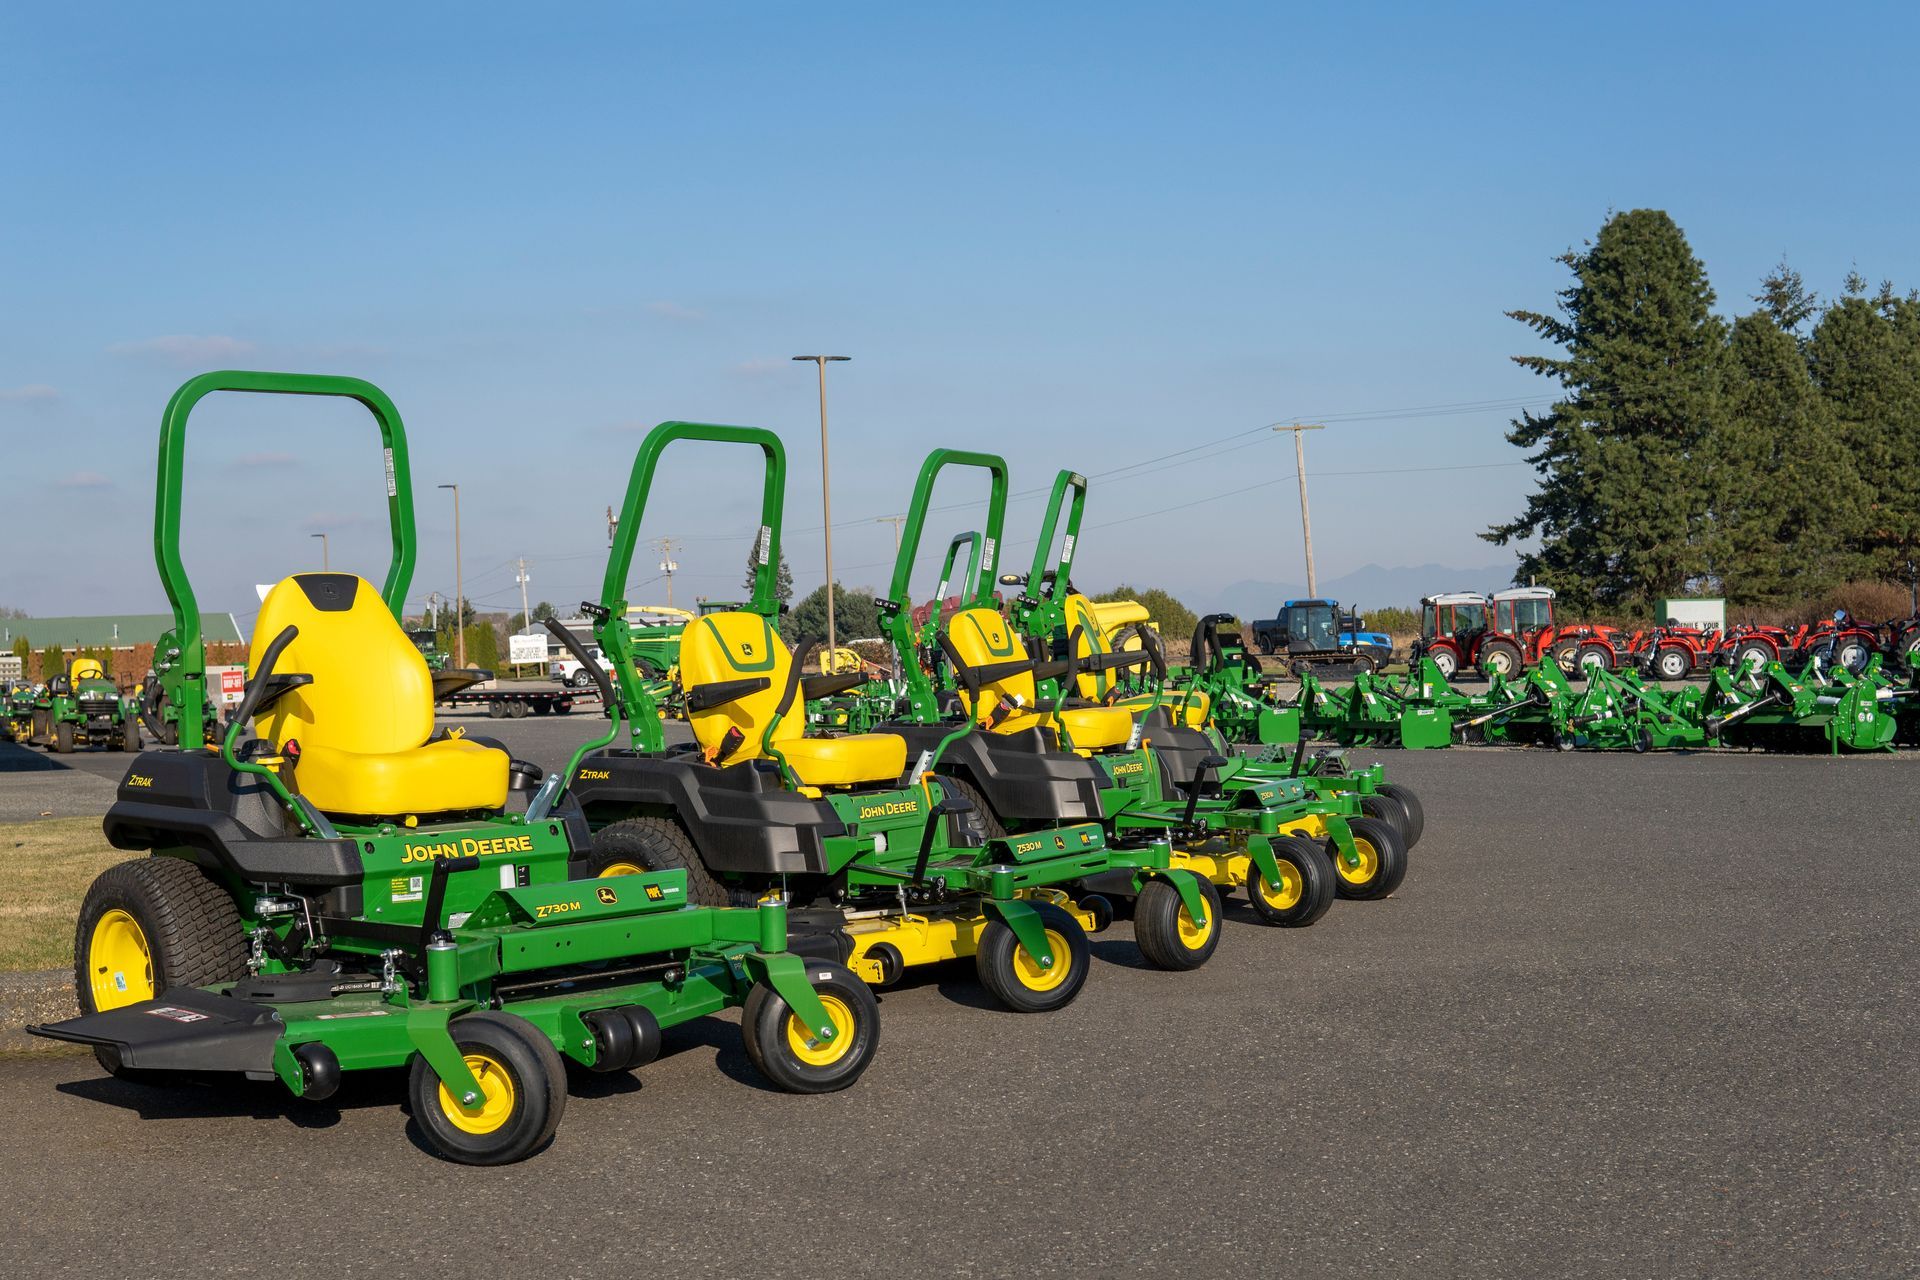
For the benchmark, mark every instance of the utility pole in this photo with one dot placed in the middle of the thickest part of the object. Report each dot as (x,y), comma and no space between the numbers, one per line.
(326,556)
(668,565)
(826,497)
(1300,469)
(459,587)
(896,522)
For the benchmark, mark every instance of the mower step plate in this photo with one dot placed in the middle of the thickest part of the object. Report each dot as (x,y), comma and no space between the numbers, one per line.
(186,1029)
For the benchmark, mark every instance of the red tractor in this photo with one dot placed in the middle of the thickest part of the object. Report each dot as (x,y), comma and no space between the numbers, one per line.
(1454,632)
(1839,640)
(1673,651)
(1526,615)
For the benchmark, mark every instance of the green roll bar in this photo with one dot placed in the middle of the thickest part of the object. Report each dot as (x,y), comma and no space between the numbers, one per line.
(634,705)
(896,613)
(180,659)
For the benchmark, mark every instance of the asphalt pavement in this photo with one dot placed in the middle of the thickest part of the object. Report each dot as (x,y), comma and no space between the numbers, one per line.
(1628,1016)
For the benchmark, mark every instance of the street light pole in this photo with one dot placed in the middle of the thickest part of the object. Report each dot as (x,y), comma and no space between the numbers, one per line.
(826,498)
(1300,470)
(459,587)
(326,556)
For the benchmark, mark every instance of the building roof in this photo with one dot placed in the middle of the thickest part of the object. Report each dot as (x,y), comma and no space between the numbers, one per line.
(113,631)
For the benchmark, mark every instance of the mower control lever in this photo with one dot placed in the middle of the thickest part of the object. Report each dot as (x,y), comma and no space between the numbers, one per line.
(257,687)
(431,925)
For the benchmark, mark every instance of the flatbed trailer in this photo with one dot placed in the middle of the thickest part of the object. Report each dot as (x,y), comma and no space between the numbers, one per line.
(456,689)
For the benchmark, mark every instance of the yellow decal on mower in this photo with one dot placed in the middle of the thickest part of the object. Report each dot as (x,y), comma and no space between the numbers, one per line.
(467,846)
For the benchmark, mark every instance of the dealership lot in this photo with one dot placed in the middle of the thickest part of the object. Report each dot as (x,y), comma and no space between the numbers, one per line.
(1628,1016)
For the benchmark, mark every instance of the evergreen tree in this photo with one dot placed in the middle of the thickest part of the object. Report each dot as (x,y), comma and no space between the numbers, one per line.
(782,580)
(1789,510)
(855,616)
(1785,298)
(1621,508)
(1864,355)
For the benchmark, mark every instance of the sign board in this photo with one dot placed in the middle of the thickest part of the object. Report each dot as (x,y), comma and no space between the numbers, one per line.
(228,685)
(1703,611)
(527,649)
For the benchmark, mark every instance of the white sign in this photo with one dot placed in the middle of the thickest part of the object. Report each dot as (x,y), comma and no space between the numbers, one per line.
(527,649)
(228,685)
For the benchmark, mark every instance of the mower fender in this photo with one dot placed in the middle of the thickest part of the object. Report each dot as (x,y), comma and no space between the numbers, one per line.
(1342,837)
(1187,885)
(427,1029)
(786,973)
(1026,926)
(1260,854)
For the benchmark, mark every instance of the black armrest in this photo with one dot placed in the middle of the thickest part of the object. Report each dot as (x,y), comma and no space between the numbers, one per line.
(1114,661)
(1001,670)
(826,686)
(277,687)
(705,697)
(1050,670)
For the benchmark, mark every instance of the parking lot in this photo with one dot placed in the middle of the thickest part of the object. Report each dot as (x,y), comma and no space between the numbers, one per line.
(1629,1016)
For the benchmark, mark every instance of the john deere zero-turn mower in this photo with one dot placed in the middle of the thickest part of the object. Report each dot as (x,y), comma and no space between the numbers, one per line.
(1364,833)
(889,854)
(81,707)
(338,887)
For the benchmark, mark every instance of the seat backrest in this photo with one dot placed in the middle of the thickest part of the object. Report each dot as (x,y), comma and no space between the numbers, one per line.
(720,647)
(982,638)
(1091,685)
(84,669)
(371,690)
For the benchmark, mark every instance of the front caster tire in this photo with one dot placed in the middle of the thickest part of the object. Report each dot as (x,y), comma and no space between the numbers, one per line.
(636,845)
(1016,978)
(1306,888)
(1168,936)
(785,1050)
(1383,861)
(522,1087)
(1416,815)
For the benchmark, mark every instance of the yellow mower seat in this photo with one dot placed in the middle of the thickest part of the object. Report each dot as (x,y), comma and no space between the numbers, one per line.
(983,638)
(1091,728)
(361,727)
(722,648)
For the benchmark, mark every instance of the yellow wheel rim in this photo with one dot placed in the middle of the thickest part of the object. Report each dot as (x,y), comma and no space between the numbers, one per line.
(1369,863)
(1029,973)
(619,869)
(822,1053)
(1283,896)
(1194,936)
(497,1098)
(120,961)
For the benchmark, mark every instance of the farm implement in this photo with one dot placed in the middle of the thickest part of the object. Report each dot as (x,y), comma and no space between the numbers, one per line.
(889,857)
(337,887)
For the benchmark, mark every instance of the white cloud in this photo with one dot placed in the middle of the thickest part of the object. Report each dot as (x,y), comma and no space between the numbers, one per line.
(32,392)
(83,480)
(185,348)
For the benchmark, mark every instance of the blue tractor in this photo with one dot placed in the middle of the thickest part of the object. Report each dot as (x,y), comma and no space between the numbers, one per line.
(1311,633)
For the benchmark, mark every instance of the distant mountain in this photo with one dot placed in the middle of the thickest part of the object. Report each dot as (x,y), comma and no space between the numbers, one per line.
(1368,587)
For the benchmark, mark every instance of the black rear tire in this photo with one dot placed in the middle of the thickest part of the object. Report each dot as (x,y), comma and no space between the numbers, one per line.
(1383,861)
(1013,978)
(1307,890)
(654,844)
(63,738)
(1416,814)
(512,1056)
(812,1068)
(1167,936)
(983,820)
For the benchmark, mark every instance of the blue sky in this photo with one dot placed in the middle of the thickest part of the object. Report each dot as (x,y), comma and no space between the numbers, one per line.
(1082,236)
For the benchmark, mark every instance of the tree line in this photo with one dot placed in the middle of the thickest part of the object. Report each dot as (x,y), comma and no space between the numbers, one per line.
(1768,459)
